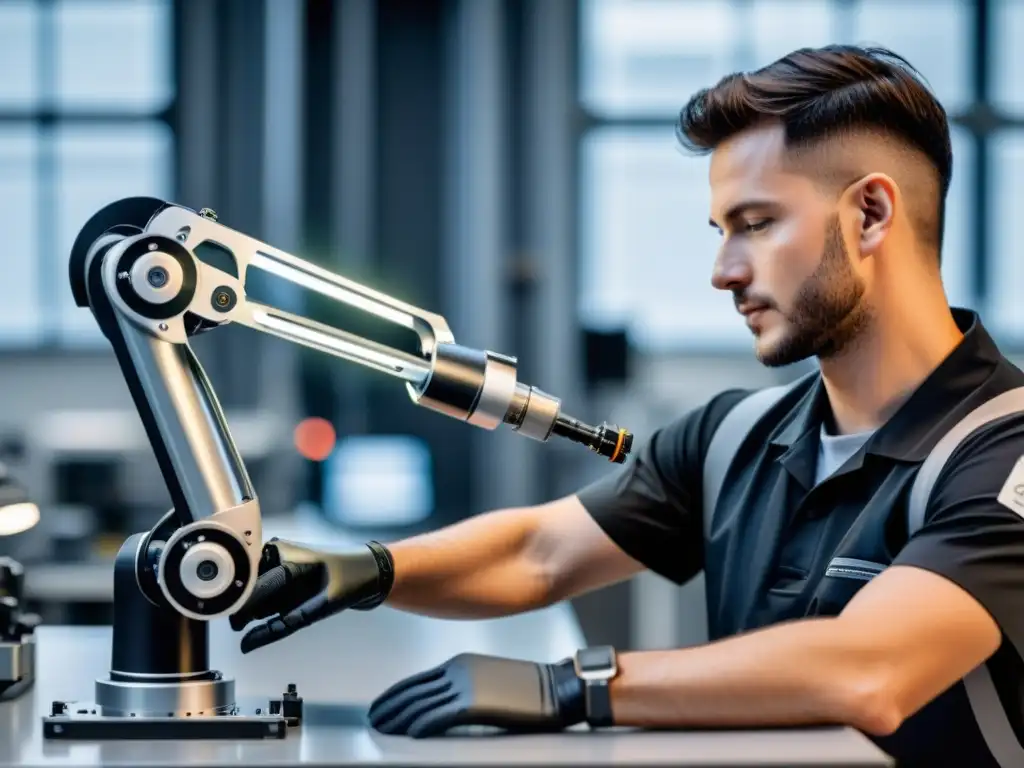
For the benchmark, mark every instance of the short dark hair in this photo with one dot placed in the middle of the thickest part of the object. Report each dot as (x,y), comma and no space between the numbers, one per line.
(817,93)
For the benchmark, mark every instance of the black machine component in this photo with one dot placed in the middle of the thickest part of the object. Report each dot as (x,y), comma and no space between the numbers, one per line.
(155,274)
(17,633)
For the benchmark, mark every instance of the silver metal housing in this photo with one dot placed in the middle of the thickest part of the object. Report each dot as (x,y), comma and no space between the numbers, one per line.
(165,698)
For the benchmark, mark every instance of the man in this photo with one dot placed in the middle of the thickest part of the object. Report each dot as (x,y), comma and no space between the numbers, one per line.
(829,172)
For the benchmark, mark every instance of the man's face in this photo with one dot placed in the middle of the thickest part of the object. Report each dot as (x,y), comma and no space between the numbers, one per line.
(783,255)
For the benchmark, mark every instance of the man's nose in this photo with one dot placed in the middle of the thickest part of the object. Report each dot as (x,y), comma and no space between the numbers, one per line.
(731,272)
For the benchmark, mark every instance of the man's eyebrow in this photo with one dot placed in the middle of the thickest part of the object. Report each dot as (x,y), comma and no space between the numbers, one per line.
(746,206)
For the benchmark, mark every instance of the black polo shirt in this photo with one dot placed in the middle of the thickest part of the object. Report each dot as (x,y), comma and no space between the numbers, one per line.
(776,533)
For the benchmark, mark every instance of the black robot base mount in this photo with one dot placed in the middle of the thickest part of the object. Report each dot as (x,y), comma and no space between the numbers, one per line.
(160,685)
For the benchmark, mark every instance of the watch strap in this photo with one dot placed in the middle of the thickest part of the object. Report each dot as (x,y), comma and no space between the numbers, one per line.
(596,667)
(599,703)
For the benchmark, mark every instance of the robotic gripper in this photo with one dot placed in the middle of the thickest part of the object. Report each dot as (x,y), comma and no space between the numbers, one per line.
(155,274)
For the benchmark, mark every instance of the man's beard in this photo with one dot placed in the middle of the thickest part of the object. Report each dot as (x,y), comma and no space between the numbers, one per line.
(828,313)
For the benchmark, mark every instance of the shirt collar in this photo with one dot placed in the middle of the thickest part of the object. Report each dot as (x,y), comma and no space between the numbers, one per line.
(912,431)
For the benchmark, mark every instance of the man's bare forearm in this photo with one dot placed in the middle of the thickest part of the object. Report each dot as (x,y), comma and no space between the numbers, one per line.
(477,568)
(801,673)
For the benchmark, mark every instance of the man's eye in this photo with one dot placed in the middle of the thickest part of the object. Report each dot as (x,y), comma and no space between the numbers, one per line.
(758,226)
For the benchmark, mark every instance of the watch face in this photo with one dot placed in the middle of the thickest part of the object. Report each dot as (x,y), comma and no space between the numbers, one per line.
(594,659)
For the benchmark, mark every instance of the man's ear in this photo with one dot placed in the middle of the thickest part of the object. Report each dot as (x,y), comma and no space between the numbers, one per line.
(874,198)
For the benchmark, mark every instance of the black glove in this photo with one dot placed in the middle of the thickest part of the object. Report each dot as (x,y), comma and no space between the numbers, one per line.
(471,689)
(298,586)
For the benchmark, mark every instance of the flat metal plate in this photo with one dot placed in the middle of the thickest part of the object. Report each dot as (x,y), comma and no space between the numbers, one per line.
(82,722)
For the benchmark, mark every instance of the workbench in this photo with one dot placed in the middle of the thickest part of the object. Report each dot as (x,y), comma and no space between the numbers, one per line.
(341,664)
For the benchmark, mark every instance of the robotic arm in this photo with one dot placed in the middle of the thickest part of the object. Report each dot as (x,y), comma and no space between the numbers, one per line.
(154,274)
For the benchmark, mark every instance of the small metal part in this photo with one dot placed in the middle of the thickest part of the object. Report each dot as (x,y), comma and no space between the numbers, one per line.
(606,440)
(533,412)
(289,706)
(224,298)
(208,213)
(157,277)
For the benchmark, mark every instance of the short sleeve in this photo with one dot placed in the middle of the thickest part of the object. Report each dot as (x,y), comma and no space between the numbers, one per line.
(972,537)
(651,506)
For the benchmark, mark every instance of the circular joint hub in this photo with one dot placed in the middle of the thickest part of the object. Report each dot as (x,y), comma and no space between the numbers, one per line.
(204,570)
(156,277)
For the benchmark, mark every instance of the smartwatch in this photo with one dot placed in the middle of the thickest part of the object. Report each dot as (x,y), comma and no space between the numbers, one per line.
(595,667)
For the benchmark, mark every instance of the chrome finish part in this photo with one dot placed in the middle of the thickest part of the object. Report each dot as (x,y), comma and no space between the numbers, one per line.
(180,698)
(496,391)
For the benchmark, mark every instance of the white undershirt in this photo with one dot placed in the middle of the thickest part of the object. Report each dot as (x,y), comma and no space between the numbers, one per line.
(835,450)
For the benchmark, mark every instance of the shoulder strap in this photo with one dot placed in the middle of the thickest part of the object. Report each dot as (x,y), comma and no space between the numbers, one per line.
(1011,401)
(729,436)
(988,711)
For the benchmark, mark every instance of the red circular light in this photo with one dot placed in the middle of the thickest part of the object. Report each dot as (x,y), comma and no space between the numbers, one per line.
(315,438)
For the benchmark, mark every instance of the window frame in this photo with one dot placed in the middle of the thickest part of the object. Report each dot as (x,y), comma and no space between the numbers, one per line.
(46,116)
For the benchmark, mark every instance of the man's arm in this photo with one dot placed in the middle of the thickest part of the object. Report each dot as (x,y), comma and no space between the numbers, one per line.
(645,514)
(870,667)
(506,562)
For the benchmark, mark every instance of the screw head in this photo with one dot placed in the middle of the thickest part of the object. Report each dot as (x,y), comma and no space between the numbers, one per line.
(223,299)
(157,277)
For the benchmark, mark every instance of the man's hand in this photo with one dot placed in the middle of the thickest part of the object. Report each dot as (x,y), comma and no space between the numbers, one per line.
(298,586)
(470,689)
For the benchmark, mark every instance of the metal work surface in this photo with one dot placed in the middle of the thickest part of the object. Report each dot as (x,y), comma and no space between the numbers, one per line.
(340,665)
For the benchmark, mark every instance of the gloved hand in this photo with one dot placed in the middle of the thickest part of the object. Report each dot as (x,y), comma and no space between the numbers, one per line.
(471,689)
(298,586)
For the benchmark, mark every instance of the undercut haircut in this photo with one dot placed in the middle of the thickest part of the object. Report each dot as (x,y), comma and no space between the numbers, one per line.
(819,94)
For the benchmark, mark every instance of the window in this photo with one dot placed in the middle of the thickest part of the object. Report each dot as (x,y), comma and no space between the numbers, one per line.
(1007,32)
(1006,310)
(1006,189)
(84,108)
(644,57)
(646,251)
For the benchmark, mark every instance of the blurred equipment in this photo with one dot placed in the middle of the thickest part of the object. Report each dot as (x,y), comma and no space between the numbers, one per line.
(154,275)
(17,628)
(18,512)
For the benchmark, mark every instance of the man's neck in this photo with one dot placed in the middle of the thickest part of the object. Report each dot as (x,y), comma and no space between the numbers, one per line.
(867,383)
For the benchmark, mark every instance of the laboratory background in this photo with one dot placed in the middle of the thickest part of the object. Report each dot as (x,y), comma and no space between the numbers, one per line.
(508,164)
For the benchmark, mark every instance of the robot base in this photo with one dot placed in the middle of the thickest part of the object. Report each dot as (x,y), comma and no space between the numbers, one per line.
(160,685)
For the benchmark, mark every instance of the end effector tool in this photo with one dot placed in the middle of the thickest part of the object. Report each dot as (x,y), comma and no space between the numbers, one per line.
(481,387)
